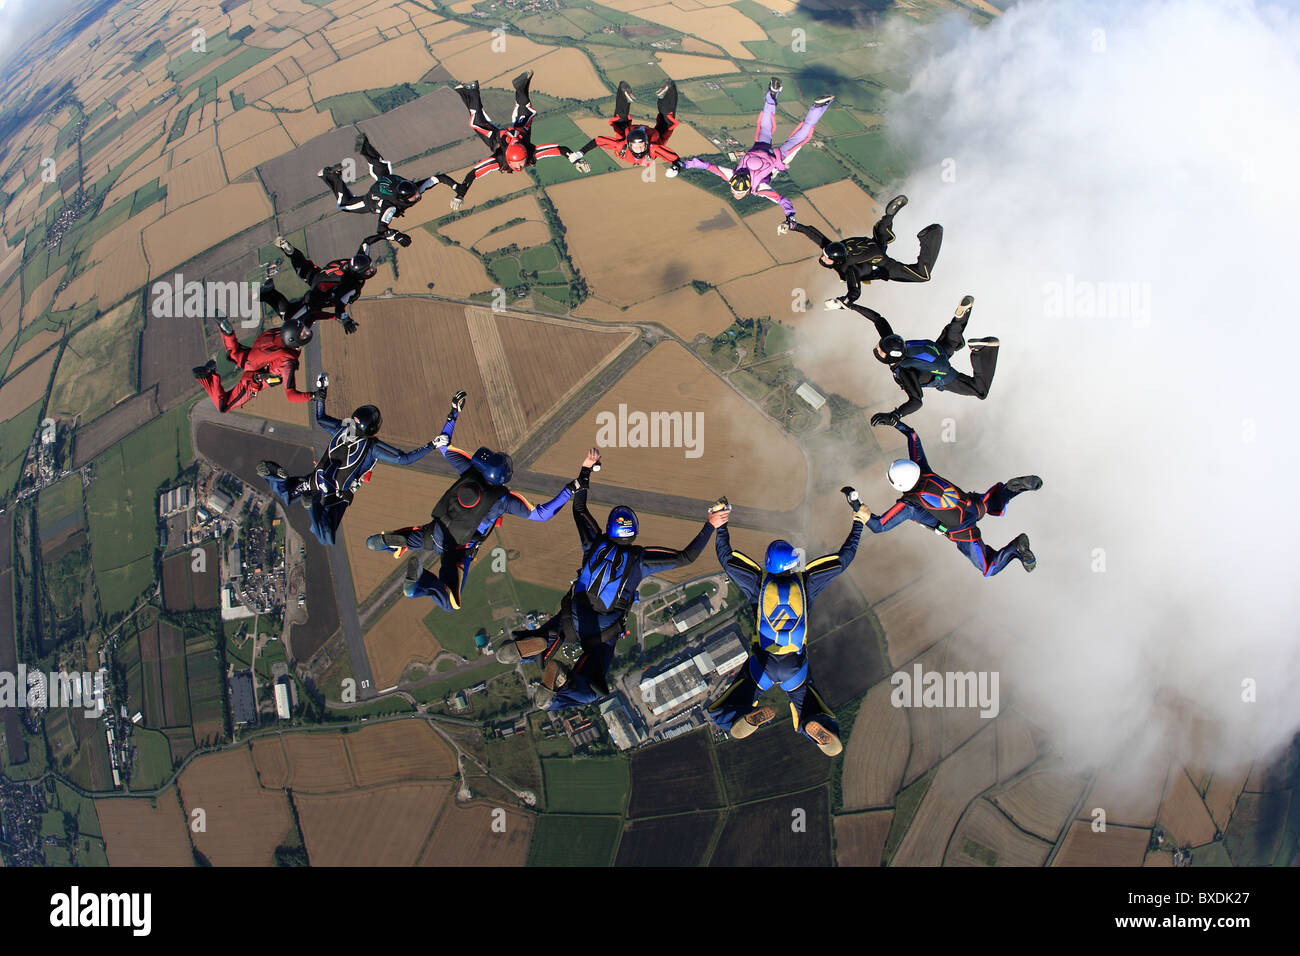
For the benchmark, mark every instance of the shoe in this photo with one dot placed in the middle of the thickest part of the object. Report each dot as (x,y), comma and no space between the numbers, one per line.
(774,86)
(895,204)
(225,327)
(336,169)
(663,90)
(988,342)
(362,142)
(388,542)
(544,697)
(627,91)
(513,651)
(1024,483)
(964,307)
(203,371)
(1026,556)
(265,469)
(827,742)
(825,100)
(556,675)
(523,79)
(414,568)
(751,722)
(284,245)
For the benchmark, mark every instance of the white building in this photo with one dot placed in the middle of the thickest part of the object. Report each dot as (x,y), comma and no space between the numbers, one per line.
(810,395)
(282,708)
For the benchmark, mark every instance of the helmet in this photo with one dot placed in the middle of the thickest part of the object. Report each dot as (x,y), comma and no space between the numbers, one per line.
(295,334)
(496,467)
(368,420)
(837,252)
(781,557)
(638,135)
(361,263)
(407,189)
(622,523)
(740,181)
(893,346)
(516,156)
(904,474)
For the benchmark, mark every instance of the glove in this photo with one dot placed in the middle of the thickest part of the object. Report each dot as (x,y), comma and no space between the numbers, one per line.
(457,202)
(458,402)
(673,169)
(403,239)
(579,163)
(349,323)
(833,304)
(851,494)
(784,227)
(884,418)
(322,380)
(442,441)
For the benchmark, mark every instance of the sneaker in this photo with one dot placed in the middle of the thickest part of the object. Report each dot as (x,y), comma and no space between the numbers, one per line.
(362,142)
(336,169)
(556,675)
(825,100)
(523,79)
(627,91)
(284,245)
(751,722)
(388,542)
(414,568)
(895,204)
(1026,556)
(1024,483)
(203,371)
(774,86)
(514,651)
(964,307)
(827,742)
(988,342)
(663,90)
(544,698)
(266,469)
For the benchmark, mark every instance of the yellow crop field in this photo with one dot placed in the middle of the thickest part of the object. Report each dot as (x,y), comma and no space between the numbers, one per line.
(695,236)
(405,750)
(399,637)
(256,149)
(470,229)
(20,390)
(566,72)
(396,497)
(465,837)
(383,827)
(199,177)
(960,779)
(734,450)
(524,235)
(725,25)
(244,822)
(270,762)
(1182,812)
(1041,802)
(686,66)
(1116,846)
(877,752)
(318,763)
(397,61)
(852,211)
(983,829)
(181,235)
(137,834)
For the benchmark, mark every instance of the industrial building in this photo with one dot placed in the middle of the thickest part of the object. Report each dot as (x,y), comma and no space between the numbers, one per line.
(243,705)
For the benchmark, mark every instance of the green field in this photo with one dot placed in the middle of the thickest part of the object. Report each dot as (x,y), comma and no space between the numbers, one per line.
(871,153)
(15,438)
(59,501)
(153,759)
(561,840)
(586,785)
(122,508)
(98,367)
(557,129)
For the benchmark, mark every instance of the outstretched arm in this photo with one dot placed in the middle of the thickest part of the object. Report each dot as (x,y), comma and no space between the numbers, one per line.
(767,192)
(743,570)
(900,511)
(665,559)
(588,527)
(387,453)
(824,570)
(878,320)
(327,422)
(521,507)
(812,232)
(914,449)
(696,163)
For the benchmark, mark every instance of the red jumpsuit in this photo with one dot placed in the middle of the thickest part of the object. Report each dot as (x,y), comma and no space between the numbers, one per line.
(268,355)
(657,134)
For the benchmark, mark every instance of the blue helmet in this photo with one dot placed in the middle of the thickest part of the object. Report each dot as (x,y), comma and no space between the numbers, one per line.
(781,557)
(496,467)
(622,523)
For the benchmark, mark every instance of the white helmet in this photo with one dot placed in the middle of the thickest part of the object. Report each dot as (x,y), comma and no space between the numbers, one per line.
(904,474)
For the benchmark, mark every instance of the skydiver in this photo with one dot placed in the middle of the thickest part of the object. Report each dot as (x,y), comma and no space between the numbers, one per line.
(781,597)
(576,646)
(389,195)
(921,363)
(333,286)
(346,463)
(464,515)
(270,360)
(861,259)
(754,173)
(638,143)
(938,504)
(512,147)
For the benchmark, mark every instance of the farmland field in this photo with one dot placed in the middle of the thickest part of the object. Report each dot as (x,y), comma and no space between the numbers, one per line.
(674,776)
(793,830)
(591,785)
(386,826)
(98,368)
(774,760)
(137,833)
(668,841)
(244,822)
(563,840)
(465,836)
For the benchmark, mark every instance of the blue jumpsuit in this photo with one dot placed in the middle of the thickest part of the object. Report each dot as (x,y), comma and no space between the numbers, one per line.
(598,631)
(779,657)
(940,505)
(337,477)
(446,586)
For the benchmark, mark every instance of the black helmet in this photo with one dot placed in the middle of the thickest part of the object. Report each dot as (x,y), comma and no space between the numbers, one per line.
(740,181)
(368,420)
(496,467)
(360,263)
(295,335)
(639,135)
(894,348)
(406,189)
(837,252)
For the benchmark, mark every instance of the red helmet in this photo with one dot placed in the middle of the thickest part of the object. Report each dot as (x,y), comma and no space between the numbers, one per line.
(516,156)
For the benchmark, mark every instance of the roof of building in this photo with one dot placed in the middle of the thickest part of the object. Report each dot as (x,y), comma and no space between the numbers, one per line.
(242,706)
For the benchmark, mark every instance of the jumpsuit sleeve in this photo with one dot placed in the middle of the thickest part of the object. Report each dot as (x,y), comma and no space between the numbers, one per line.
(289,371)
(907,380)
(824,570)
(878,320)
(853,281)
(812,232)
(521,507)
(551,150)
(696,163)
(387,215)
(914,449)
(899,512)
(665,559)
(658,151)
(328,422)
(588,529)
(740,567)
(767,192)
(389,455)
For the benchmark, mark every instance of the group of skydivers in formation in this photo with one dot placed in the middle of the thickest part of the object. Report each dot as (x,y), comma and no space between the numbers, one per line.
(576,646)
